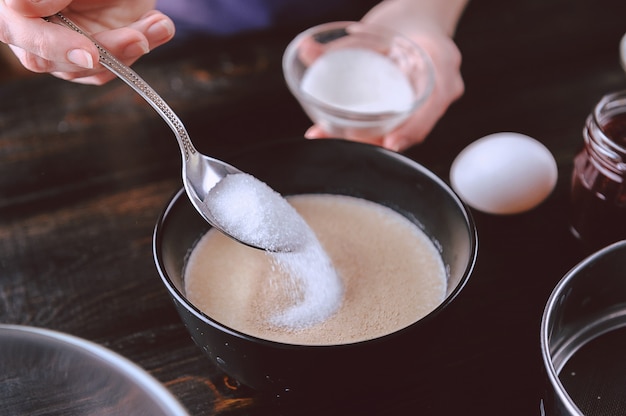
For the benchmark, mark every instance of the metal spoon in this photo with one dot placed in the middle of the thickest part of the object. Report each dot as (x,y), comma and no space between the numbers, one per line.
(200,172)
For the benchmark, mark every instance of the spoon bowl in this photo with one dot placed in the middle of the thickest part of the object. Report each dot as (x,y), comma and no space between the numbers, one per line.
(200,172)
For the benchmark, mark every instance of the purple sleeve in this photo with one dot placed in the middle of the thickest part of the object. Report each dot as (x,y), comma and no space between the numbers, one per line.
(228,17)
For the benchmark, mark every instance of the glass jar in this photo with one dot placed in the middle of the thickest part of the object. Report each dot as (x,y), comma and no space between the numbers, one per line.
(598,194)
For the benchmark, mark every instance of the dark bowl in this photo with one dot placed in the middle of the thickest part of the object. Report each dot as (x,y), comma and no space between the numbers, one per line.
(335,167)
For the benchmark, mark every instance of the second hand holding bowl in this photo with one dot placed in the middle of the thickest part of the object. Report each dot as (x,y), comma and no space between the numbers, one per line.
(200,172)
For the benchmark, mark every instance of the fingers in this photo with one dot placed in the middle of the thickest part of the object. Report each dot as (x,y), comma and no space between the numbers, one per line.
(449,86)
(39,8)
(316,132)
(126,44)
(413,131)
(156,27)
(309,50)
(419,125)
(46,47)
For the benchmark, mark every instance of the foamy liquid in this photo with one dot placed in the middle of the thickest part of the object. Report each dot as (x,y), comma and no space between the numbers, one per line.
(391,272)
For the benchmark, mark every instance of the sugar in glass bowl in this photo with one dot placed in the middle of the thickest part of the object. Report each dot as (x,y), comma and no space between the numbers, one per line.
(357,80)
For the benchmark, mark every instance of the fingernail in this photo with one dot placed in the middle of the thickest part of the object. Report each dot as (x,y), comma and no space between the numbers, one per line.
(136,49)
(81,58)
(394,145)
(162,29)
(309,133)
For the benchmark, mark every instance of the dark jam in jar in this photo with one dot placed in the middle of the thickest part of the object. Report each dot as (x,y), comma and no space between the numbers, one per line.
(615,128)
(599,176)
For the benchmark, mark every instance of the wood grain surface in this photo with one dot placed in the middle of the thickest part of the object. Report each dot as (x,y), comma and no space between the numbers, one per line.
(85,172)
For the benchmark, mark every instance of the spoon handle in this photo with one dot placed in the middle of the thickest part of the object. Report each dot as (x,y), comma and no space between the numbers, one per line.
(137,83)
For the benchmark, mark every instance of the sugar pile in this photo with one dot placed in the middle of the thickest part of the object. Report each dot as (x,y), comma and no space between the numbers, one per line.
(358,79)
(251,211)
(321,289)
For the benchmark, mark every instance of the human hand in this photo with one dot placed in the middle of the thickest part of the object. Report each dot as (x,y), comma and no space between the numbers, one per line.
(448,87)
(129,29)
(430,24)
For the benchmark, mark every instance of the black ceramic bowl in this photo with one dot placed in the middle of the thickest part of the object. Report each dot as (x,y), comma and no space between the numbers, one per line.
(335,167)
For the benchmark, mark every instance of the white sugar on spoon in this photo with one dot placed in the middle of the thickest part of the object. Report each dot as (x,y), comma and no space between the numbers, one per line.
(251,211)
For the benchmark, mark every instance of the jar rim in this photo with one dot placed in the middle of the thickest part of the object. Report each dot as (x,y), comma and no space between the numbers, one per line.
(610,105)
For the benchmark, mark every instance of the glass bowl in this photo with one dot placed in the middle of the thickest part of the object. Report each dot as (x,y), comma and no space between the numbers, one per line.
(49,372)
(356,80)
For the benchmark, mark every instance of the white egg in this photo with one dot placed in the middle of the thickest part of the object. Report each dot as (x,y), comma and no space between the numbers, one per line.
(504,173)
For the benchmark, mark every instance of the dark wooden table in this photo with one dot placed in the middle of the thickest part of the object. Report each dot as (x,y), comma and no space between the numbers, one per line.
(85,172)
